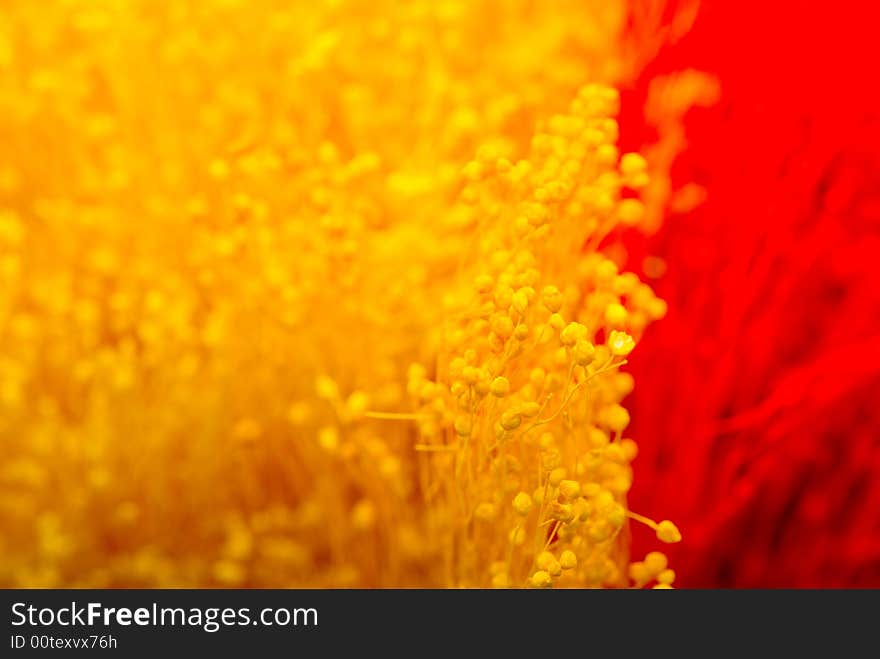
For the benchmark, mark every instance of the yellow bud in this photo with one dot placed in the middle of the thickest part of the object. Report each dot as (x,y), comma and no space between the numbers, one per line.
(620,343)
(614,453)
(573,333)
(656,562)
(639,573)
(538,495)
(543,559)
(522,503)
(462,425)
(547,562)
(530,409)
(656,308)
(631,212)
(456,366)
(616,515)
(625,284)
(666,577)
(561,511)
(503,297)
(500,387)
(583,352)
(520,301)
(597,438)
(569,489)
(482,386)
(632,163)
(357,404)
(606,154)
(474,171)
(541,579)
(668,532)
(606,271)
(630,449)
(568,560)
(638,181)
(616,417)
(551,298)
(502,325)
(557,475)
(615,315)
(620,484)
(510,420)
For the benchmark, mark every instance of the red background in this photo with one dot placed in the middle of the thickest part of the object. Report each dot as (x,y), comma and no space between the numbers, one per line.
(757,405)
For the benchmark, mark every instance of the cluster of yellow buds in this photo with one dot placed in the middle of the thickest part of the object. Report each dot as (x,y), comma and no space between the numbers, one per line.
(229,227)
(524,461)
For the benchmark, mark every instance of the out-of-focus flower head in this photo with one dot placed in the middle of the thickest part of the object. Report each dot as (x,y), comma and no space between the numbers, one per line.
(313,295)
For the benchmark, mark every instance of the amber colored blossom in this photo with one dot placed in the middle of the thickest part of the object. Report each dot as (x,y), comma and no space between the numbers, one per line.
(312,294)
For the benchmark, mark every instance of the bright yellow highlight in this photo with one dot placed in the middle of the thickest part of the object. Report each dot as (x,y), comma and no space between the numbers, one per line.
(310,294)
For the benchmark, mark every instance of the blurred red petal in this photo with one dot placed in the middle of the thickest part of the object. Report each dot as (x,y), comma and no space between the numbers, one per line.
(756,408)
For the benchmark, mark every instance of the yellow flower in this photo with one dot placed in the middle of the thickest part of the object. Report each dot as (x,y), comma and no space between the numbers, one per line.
(307,294)
(621,343)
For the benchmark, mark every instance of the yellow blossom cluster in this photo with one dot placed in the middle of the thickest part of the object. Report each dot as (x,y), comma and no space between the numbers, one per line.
(294,294)
(524,466)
